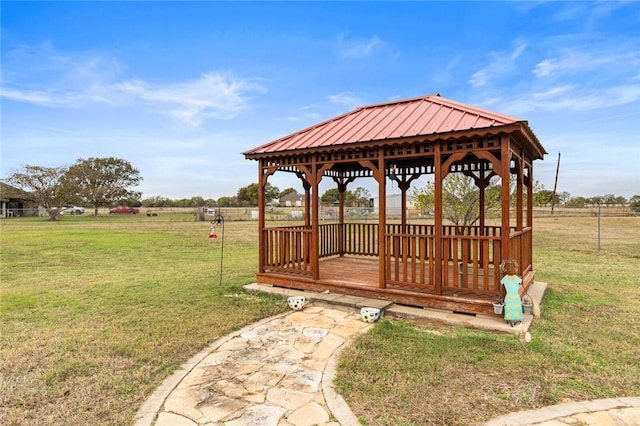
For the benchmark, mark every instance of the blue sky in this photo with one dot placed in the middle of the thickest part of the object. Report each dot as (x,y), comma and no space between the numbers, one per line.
(181,89)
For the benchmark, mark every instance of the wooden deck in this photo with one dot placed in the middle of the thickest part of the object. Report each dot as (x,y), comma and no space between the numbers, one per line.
(359,276)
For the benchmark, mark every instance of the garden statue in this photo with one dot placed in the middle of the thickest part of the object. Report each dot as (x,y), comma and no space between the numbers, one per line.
(511,282)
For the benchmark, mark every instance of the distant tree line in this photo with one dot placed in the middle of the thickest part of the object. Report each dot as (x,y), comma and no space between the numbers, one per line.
(105,182)
(247,196)
(544,197)
(461,197)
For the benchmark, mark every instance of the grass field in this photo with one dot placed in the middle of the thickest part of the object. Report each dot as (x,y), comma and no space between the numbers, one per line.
(585,346)
(96,312)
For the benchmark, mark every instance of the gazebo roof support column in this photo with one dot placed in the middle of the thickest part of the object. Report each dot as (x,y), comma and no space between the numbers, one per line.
(519,195)
(307,204)
(342,183)
(307,198)
(437,232)
(483,185)
(382,216)
(379,174)
(315,220)
(529,183)
(404,183)
(505,155)
(264,172)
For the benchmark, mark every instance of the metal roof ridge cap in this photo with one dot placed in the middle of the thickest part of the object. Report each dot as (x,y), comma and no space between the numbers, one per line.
(470,108)
(400,101)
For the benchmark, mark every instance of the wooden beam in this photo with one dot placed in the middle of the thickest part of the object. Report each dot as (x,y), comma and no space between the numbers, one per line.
(458,156)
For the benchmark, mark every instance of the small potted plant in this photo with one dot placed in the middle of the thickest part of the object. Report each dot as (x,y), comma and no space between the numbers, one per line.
(527,303)
(498,304)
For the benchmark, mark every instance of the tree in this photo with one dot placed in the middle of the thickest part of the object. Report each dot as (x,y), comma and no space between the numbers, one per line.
(227,202)
(330,196)
(635,203)
(103,181)
(156,201)
(576,202)
(359,197)
(609,199)
(595,201)
(541,196)
(460,198)
(362,196)
(564,197)
(248,195)
(45,185)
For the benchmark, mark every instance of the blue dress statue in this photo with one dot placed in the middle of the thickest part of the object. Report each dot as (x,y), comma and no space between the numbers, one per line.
(512,301)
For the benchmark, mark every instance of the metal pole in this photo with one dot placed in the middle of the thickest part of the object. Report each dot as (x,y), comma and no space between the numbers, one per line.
(220,221)
(555,185)
(598,228)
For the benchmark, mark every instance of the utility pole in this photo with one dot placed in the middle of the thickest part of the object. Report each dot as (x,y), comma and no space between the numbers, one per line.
(555,185)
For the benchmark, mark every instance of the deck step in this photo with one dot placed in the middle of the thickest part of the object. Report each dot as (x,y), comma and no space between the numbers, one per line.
(410,313)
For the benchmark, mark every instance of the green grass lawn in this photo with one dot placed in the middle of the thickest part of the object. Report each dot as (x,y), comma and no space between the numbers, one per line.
(585,346)
(96,312)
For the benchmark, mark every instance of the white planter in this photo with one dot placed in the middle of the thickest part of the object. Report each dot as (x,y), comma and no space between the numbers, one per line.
(370,314)
(296,302)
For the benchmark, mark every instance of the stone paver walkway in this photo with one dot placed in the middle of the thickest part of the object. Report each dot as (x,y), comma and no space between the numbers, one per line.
(279,372)
(601,412)
(271,373)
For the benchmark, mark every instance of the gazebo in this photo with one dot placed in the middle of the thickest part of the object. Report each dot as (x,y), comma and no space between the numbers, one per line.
(433,265)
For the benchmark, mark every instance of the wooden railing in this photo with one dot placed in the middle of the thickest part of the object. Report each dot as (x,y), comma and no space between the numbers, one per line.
(471,264)
(361,239)
(521,248)
(287,250)
(409,260)
(470,255)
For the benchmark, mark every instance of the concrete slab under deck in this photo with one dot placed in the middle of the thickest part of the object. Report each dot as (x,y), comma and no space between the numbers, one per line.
(420,315)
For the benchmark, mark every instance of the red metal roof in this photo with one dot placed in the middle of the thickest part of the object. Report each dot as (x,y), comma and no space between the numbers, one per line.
(396,119)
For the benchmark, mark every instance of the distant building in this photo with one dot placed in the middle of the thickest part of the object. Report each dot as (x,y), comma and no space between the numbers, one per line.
(15,202)
(393,204)
(292,199)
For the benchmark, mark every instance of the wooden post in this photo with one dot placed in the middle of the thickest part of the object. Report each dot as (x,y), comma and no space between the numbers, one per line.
(262,181)
(437,232)
(519,194)
(530,197)
(315,210)
(307,204)
(382,216)
(482,185)
(505,152)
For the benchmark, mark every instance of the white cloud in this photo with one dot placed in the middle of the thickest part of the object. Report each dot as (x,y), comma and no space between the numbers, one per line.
(345,99)
(573,98)
(28,96)
(501,63)
(573,60)
(213,95)
(338,103)
(359,48)
(52,79)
